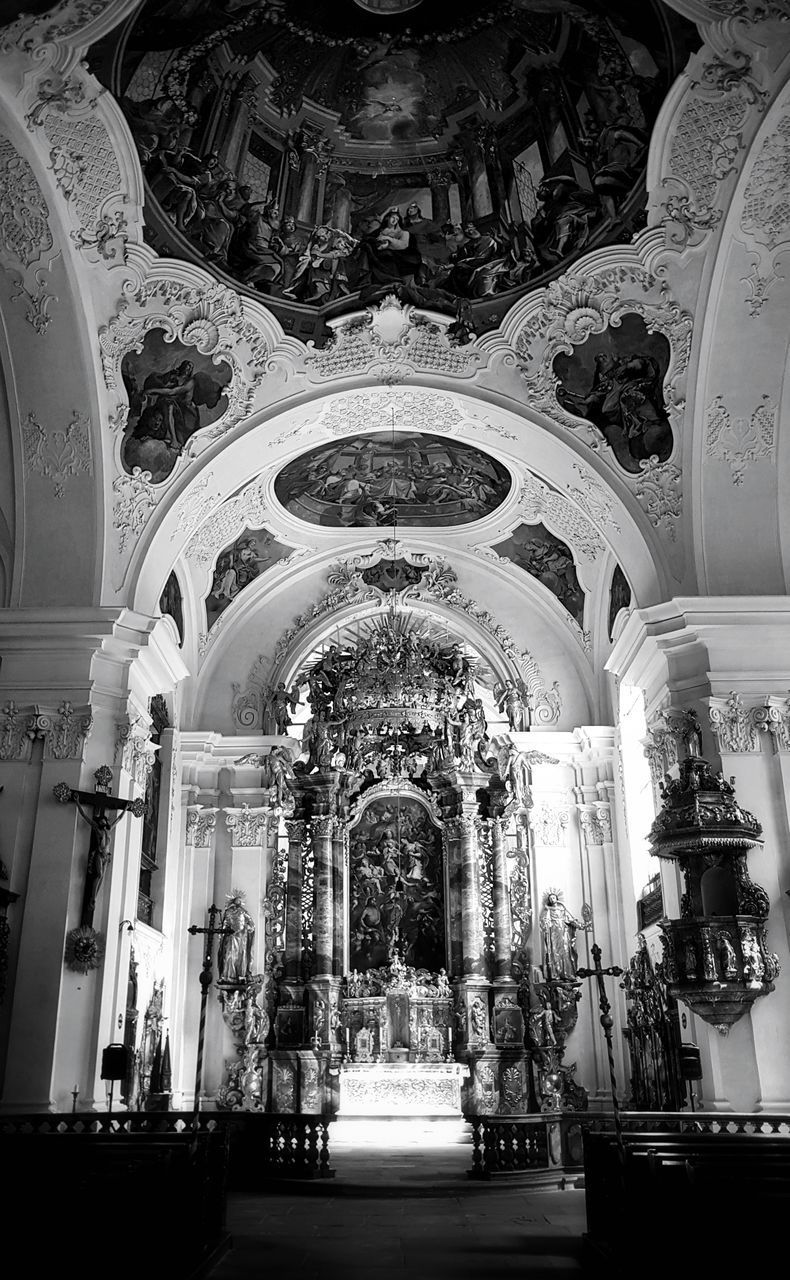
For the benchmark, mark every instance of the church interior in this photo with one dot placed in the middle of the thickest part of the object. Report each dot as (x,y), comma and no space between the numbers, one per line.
(394,617)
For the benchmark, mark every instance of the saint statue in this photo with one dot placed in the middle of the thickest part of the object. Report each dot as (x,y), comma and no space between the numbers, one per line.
(558,934)
(235,946)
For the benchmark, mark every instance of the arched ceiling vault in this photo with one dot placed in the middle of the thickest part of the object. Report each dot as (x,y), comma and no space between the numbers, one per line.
(704,279)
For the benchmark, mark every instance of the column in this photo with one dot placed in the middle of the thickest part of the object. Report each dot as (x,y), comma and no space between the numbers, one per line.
(482,204)
(471,915)
(502,929)
(304,208)
(297,831)
(323,901)
(440,197)
(339,872)
(452,862)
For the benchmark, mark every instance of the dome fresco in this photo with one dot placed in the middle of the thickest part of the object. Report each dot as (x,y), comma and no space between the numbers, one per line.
(325,155)
(371,480)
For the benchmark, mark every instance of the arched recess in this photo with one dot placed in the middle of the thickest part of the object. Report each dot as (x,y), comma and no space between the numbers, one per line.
(520,438)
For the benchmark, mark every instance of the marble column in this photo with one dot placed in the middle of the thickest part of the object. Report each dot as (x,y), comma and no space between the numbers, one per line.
(452,858)
(339,869)
(323,900)
(297,830)
(471,914)
(502,929)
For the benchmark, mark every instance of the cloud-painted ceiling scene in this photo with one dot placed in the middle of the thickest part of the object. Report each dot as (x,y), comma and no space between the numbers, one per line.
(542,555)
(324,155)
(238,565)
(418,480)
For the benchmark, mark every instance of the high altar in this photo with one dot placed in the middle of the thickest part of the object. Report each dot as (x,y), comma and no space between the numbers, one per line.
(399,911)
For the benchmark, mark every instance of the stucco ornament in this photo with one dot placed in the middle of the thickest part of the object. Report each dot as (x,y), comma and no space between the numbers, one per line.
(211,319)
(27,251)
(765,217)
(740,442)
(576,306)
(718,111)
(392,341)
(57,455)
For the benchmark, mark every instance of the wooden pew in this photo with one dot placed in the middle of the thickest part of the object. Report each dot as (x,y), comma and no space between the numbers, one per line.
(713,1199)
(118,1198)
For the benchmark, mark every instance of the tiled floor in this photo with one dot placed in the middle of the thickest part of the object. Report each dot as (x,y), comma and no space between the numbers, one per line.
(403,1207)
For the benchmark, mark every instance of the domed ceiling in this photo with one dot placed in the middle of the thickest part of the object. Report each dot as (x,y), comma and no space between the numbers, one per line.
(326,154)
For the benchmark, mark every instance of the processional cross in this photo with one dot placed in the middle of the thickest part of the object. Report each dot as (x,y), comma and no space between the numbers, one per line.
(95,807)
(212,930)
(607,1023)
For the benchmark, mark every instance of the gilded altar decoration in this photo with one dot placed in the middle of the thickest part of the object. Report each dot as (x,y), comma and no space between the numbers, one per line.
(84,949)
(715,956)
(369,480)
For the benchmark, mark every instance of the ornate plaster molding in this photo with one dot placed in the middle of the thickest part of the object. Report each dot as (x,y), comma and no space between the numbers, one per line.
(64,22)
(774,719)
(210,318)
(247,826)
(672,733)
(719,108)
(392,342)
(201,824)
(248,508)
(765,216)
(549,824)
(410,410)
(134,498)
(564,315)
(594,498)
(539,502)
(134,750)
(659,492)
(57,455)
(83,161)
(27,249)
(64,730)
(740,442)
(596,823)
(734,725)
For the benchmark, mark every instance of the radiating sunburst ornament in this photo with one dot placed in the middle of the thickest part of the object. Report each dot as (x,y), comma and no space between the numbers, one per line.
(84,949)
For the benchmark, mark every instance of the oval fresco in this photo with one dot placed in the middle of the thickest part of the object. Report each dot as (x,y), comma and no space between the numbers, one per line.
(374,479)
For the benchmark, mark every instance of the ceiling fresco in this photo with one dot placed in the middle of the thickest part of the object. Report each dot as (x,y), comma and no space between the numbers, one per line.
(323,155)
(174,391)
(240,564)
(615,380)
(542,555)
(420,480)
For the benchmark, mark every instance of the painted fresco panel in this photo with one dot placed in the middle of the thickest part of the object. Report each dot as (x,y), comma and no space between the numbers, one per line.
(367,480)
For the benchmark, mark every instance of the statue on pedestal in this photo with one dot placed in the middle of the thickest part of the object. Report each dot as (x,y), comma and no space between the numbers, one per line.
(558,934)
(235,948)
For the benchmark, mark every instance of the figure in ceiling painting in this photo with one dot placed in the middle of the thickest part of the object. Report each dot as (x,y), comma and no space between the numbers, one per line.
(173,392)
(250,555)
(615,380)
(543,556)
(287,144)
(372,480)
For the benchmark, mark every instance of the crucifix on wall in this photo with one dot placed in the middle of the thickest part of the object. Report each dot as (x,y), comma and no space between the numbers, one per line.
(96,807)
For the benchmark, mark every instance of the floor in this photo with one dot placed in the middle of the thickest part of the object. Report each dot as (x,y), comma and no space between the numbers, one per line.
(401,1205)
